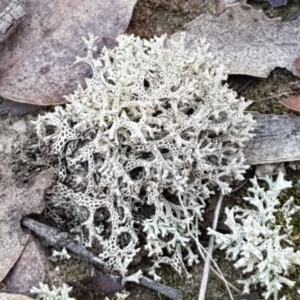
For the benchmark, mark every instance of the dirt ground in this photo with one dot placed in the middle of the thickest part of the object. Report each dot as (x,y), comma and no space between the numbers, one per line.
(155,17)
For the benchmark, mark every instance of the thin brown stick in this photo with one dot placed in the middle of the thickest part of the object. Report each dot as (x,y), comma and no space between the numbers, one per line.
(203,286)
(272,97)
(202,250)
(240,186)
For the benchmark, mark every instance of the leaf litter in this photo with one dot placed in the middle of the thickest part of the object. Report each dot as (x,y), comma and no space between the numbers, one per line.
(17,201)
(37,60)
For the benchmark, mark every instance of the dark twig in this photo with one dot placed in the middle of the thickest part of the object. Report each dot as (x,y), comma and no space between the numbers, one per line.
(242,88)
(59,239)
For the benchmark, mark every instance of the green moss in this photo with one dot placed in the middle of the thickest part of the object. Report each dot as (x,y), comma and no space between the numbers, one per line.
(294,274)
(267,92)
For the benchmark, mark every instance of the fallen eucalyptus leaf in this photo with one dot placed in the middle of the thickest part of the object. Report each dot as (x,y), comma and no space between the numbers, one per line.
(37,61)
(29,270)
(248,41)
(276,140)
(291,103)
(16,201)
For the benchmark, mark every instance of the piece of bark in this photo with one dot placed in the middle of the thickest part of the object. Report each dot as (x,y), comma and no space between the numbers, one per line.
(276,140)
(11,13)
(16,201)
(29,270)
(246,40)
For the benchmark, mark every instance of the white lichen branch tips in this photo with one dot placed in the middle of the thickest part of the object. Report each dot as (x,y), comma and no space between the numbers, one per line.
(257,243)
(45,293)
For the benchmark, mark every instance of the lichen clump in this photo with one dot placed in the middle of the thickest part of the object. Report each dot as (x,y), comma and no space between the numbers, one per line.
(261,247)
(45,293)
(153,135)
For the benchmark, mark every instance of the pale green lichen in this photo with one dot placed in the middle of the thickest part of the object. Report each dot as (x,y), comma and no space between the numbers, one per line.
(56,293)
(153,135)
(63,254)
(263,249)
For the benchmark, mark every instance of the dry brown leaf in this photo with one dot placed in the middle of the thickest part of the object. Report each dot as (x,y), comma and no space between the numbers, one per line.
(276,140)
(28,271)
(36,62)
(291,103)
(16,202)
(247,40)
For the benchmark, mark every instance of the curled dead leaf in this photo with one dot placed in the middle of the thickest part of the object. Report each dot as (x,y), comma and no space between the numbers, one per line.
(29,270)
(15,202)
(247,40)
(292,103)
(37,61)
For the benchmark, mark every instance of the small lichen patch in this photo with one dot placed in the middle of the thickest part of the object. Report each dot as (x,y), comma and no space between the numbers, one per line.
(261,247)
